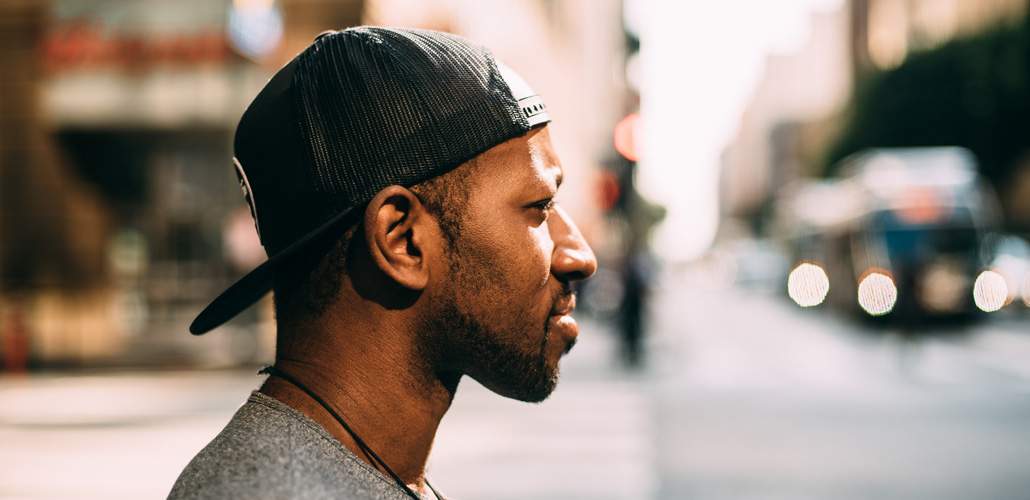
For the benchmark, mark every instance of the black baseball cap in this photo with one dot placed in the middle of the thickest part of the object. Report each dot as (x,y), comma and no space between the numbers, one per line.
(359,110)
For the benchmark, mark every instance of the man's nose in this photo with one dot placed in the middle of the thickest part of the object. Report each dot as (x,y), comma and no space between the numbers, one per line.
(573,259)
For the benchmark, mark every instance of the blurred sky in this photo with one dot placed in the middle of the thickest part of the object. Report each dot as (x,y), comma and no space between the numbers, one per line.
(699,63)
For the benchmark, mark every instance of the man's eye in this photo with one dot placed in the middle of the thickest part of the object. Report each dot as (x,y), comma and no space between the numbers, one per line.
(541,209)
(545,205)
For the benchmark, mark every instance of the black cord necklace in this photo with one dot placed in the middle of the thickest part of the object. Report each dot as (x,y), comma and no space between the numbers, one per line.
(277,372)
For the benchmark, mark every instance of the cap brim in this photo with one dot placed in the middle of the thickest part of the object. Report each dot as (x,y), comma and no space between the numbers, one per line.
(255,284)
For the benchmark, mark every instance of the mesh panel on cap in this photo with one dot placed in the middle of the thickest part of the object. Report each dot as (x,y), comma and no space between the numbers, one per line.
(384,106)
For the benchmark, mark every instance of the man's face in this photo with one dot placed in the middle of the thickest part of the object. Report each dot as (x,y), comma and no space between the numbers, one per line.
(505,303)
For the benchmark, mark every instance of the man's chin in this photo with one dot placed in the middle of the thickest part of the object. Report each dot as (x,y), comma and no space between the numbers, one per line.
(568,346)
(527,391)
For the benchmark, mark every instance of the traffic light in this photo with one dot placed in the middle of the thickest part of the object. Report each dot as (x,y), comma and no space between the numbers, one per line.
(626,136)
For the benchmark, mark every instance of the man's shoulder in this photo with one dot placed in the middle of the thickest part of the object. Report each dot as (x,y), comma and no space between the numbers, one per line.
(269,450)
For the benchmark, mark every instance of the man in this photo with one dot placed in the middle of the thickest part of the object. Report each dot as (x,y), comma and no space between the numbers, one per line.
(402,183)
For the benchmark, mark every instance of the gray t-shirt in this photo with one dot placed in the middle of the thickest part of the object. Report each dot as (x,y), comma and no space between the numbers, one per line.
(272,451)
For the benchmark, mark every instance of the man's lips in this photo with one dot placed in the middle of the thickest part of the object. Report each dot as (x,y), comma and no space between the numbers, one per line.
(562,322)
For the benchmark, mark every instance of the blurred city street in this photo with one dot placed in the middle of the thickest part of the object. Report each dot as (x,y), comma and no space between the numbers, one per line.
(745,396)
(811,220)
(758,399)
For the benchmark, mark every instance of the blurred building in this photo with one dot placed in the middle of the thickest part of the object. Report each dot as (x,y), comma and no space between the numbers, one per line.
(797,107)
(116,166)
(884,32)
(794,89)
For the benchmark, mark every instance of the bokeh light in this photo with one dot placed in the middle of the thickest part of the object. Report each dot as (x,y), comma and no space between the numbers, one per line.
(626,132)
(943,287)
(255,27)
(808,285)
(877,294)
(990,291)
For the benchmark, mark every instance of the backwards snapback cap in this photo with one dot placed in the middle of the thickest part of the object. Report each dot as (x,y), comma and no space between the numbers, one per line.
(357,111)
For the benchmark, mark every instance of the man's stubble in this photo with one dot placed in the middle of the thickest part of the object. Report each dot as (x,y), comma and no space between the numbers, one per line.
(486,343)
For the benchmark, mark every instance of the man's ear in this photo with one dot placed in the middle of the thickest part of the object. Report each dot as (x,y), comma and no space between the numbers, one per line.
(395,232)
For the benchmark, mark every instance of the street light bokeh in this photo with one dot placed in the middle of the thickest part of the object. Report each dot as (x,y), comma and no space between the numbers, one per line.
(877,293)
(990,291)
(808,285)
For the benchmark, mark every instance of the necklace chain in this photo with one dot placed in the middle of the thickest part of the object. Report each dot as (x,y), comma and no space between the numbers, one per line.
(367,450)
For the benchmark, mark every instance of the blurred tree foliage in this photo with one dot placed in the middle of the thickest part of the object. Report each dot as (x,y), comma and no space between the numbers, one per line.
(972,92)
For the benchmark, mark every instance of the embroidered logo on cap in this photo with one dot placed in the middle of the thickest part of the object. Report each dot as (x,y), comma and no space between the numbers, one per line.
(531,104)
(248,193)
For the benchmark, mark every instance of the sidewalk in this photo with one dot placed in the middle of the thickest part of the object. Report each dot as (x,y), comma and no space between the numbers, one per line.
(127,435)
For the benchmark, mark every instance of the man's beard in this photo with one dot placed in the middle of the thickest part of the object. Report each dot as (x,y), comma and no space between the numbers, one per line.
(500,366)
(488,349)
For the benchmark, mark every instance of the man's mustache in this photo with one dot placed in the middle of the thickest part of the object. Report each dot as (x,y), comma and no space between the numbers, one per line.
(563,301)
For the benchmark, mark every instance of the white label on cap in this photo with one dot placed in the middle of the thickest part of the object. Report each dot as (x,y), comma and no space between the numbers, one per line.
(532,105)
(248,193)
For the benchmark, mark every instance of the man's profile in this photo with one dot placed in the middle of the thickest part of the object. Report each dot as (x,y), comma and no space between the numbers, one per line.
(402,183)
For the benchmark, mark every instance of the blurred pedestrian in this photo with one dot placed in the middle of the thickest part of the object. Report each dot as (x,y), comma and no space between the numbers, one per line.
(402,183)
(631,312)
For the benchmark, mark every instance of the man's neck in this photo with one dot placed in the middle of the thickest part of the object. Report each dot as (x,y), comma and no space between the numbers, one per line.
(387,396)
